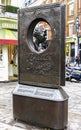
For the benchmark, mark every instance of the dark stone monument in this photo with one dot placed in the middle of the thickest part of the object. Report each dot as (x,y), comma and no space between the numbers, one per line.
(39,98)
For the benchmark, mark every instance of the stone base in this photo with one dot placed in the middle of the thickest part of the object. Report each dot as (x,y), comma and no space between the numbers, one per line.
(42,107)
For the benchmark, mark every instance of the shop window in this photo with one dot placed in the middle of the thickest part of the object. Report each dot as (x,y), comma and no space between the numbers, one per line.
(12,54)
(72,53)
(1,54)
(67,49)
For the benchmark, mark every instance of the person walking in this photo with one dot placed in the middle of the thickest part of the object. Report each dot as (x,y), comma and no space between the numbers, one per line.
(77,60)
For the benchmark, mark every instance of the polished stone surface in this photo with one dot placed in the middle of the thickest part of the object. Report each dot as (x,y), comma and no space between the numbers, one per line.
(73,89)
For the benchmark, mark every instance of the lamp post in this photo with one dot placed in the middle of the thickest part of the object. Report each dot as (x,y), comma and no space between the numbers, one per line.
(77,24)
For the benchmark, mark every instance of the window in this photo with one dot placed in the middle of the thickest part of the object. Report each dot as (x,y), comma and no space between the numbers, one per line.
(79,6)
(5,2)
(8,2)
(79,3)
(71,9)
(69,0)
(54,1)
(70,29)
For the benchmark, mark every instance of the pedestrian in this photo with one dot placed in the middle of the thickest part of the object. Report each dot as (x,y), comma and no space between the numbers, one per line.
(67,60)
(77,60)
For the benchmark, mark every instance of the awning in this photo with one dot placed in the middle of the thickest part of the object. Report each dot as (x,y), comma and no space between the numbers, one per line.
(8,36)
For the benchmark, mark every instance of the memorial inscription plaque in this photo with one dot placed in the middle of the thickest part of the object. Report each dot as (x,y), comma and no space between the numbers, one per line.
(39,98)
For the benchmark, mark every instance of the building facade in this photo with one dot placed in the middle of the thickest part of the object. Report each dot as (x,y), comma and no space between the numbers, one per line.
(9,32)
(8,42)
(73,38)
(79,34)
(73,29)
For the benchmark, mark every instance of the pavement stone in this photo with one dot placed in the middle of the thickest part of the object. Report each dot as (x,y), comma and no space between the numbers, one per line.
(73,89)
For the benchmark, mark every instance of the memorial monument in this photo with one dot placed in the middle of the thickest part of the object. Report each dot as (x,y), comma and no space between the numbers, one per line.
(39,98)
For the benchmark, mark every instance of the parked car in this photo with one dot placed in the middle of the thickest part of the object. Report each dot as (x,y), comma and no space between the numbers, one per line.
(73,73)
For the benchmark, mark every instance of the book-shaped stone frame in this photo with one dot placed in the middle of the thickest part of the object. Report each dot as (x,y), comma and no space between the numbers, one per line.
(46,69)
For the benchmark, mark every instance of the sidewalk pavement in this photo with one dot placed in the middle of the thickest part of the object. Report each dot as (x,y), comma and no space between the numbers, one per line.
(73,89)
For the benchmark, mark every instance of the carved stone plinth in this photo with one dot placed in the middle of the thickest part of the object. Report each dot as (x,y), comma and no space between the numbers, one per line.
(42,107)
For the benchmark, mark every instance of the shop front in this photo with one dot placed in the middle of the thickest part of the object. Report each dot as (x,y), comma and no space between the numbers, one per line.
(8,54)
(71,48)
